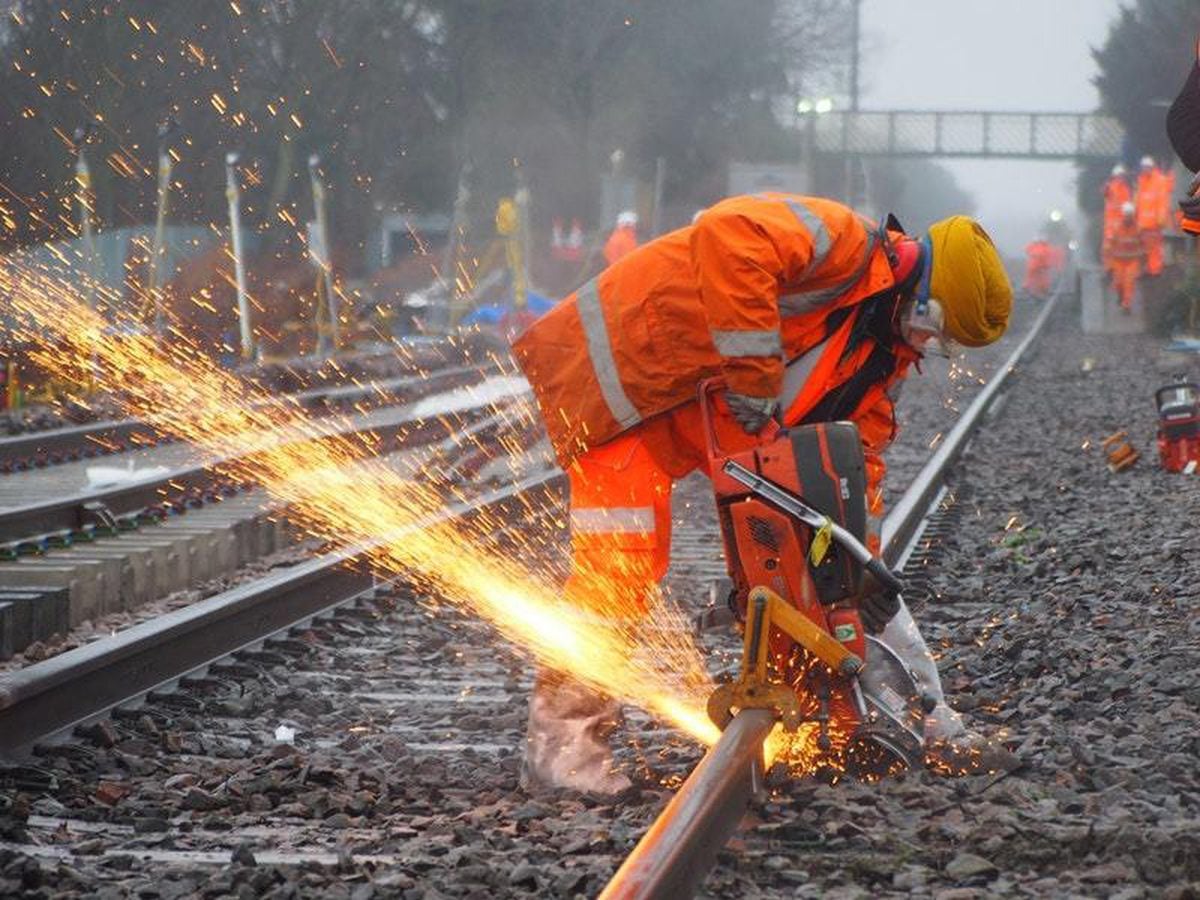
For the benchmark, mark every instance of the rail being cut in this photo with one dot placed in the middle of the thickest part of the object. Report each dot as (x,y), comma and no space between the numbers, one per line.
(676,854)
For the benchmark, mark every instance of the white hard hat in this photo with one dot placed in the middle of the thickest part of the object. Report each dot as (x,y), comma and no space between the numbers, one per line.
(1118,170)
(627,219)
(1147,162)
(1128,209)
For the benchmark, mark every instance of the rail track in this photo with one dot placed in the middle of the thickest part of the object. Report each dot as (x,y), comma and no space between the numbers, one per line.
(447,714)
(88,553)
(46,699)
(179,477)
(57,446)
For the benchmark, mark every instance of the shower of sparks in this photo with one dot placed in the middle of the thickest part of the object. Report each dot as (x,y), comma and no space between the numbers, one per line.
(337,489)
(391,510)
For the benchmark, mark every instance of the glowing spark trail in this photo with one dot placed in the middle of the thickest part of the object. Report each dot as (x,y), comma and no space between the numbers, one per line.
(337,489)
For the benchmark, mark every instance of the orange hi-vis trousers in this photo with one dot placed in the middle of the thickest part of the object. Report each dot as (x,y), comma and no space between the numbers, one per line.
(620,527)
(621,508)
(1152,242)
(1125,273)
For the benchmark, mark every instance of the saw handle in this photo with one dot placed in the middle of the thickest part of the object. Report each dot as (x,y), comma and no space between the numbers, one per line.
(885,576)
(709,388)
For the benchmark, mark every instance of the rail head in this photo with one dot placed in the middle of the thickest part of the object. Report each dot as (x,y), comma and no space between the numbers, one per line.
(695,825)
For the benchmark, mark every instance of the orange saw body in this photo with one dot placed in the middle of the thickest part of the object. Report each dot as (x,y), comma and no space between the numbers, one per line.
(793,520)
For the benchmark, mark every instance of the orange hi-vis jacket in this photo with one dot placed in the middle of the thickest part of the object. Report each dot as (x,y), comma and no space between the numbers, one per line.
(755,282)
(1125,243)
(620,243)
(1153,201)
(1116,193)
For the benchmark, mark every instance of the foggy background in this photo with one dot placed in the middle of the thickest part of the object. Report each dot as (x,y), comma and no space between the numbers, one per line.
(416,119)
(1026,55)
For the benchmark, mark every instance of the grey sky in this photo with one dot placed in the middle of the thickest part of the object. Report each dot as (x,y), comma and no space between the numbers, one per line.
(983,54)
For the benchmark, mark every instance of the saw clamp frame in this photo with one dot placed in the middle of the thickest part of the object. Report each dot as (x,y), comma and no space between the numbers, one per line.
(753,688)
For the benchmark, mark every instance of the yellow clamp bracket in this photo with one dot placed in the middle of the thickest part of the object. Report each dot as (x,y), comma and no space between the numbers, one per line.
(805,632)
(752,690)
(820,543)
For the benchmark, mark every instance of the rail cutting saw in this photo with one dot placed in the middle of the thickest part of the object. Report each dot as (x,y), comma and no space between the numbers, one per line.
(793,519)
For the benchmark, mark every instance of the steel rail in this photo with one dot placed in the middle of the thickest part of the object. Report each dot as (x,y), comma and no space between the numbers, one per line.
(675,855)
(97,437)
(52,696)
(113,435)
(70,513)
(902,524)
(678,853)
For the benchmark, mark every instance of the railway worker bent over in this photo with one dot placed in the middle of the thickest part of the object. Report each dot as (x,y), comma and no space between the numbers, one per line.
(810,313)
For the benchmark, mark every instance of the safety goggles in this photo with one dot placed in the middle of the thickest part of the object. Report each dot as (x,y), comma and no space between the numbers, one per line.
(923,321)
(922,328)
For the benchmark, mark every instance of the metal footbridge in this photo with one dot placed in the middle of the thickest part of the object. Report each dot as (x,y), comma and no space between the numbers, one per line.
(990,135)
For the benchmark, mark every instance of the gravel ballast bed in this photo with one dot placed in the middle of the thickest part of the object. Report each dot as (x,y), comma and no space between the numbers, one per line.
(1065,613)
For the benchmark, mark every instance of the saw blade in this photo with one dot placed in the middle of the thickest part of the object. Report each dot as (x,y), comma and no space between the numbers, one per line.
(892,696)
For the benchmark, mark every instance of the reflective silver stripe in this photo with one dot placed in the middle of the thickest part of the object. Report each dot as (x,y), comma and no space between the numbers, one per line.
(816,229)
(600,350)
(801,302)
(613,520)
(796,374)
(807,301)
(748,343)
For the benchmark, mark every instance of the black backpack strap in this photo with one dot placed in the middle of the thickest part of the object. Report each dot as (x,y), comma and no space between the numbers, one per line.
(841,402)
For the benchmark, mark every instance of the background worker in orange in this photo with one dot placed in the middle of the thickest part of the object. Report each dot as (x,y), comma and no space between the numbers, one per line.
(1124,252)
(1042,264)
(1152,202)
(624,239)
(805,311)
(1117,193)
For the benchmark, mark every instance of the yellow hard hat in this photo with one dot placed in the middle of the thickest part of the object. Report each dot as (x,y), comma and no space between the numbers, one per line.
(968,279)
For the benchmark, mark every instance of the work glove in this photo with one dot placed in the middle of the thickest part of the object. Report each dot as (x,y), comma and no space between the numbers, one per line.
(876,605)
(752,413)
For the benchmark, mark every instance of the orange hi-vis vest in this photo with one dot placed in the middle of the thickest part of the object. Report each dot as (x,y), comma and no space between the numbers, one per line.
(1166,191)
(1125,243)
(756,282)
(1116,194)
(1152,200)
